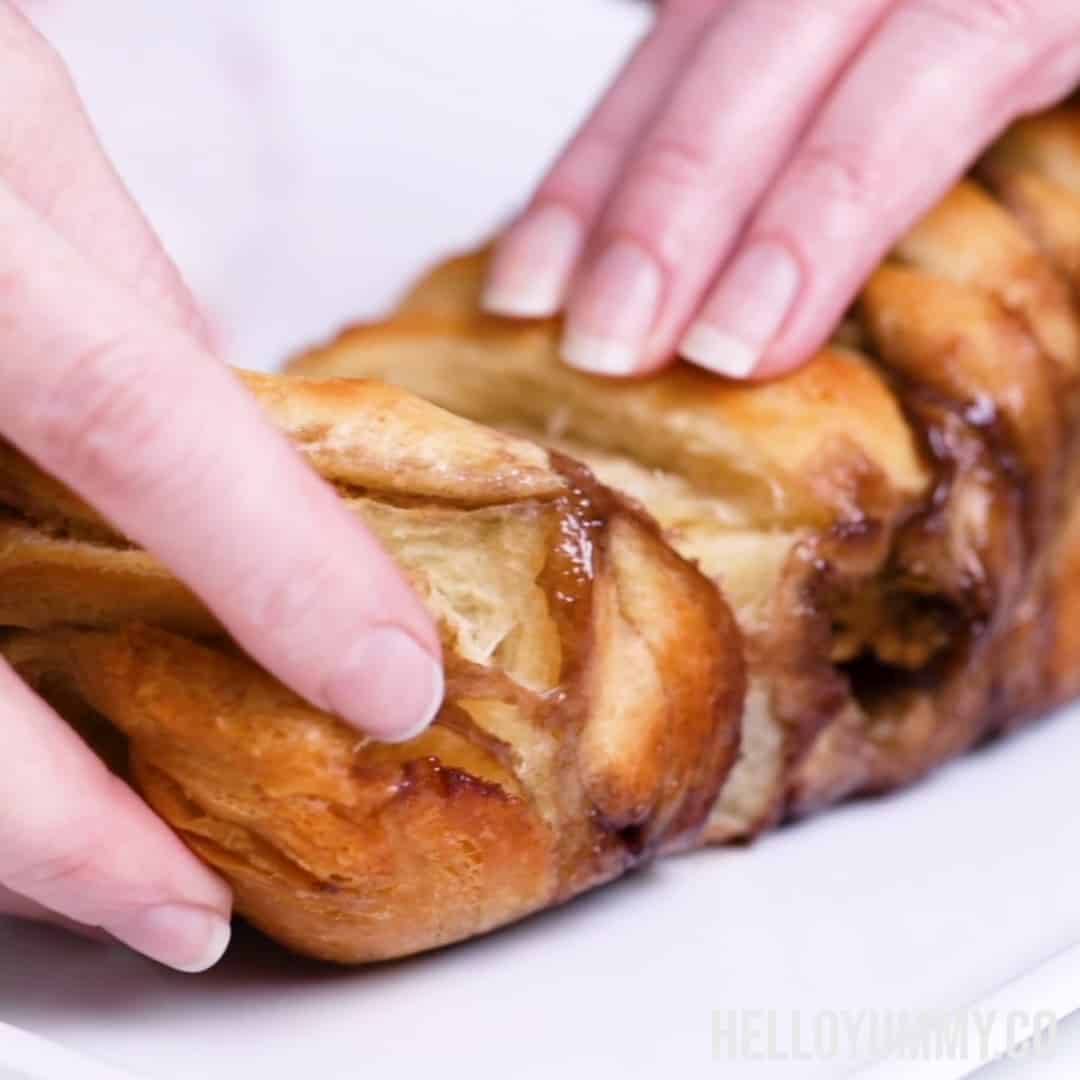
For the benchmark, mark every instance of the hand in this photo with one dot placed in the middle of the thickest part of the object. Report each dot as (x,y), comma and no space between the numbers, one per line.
(108,383)
(756,159)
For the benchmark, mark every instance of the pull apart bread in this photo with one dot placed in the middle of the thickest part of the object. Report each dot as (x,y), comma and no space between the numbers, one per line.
(771,597)
(594,685)
(891,524)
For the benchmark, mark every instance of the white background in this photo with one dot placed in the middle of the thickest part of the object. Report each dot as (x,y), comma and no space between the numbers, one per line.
(302,160)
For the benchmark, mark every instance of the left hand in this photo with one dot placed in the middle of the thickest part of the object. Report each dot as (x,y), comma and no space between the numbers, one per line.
(756,159)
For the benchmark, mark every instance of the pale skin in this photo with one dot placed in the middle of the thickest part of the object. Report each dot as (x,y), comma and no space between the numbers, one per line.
(746,170)
(755,159)
(109,382)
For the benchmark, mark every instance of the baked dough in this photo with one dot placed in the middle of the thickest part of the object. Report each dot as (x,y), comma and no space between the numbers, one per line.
(891,523)
(887,552)
(594,685)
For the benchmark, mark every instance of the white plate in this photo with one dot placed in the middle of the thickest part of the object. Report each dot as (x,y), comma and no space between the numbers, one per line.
(392,133)
(927,899)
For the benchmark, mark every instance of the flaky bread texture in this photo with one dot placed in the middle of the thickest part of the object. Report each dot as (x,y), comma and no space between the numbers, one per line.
(894,531)
(592,709)
(894,525)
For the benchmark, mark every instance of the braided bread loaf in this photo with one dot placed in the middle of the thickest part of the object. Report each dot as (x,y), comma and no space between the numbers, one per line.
(594,681)
(891,528)
(891,524)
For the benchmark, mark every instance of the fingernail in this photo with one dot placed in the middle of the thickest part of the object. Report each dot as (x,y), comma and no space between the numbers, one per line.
(389,687)
(610,318)
(187,938)
(745,313)
(533,263)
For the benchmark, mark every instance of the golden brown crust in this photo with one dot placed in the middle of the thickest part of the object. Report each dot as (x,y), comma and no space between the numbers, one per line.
(337,849)
(888,523)
(57,580)
(839,416)
(372,436)
(895,527)
(594,686)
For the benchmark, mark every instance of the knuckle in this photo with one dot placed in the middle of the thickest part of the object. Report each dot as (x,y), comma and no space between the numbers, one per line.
(664,199)
(993,18)
(101,425)
(593,156)
(674,166)
(67,859)
(837,173)
(605,138)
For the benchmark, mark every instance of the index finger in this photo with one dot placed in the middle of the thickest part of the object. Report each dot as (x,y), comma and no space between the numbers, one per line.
(163,440)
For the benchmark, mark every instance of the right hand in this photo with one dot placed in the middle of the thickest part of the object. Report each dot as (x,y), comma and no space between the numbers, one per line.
(753,163)
(109,384)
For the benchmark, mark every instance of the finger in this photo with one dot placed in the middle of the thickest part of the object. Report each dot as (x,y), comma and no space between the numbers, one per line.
(932,88)
(535,258)
(168,446)
(51,158)
(76,840)
(15,906)
(695,176)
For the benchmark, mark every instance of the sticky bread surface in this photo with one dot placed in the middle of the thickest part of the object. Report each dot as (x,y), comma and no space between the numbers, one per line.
(673,609)
(890,523)
(594,684)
